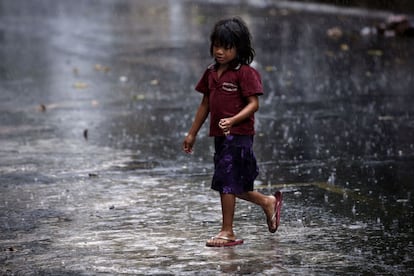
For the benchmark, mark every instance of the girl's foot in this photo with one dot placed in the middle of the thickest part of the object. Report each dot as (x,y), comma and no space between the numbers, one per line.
(272,211)
(222,239)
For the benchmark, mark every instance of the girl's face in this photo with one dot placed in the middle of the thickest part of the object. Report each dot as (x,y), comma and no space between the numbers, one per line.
(223,55)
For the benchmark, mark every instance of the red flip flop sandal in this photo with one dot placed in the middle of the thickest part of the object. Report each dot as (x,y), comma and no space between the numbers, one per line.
(276,214)
(227,242)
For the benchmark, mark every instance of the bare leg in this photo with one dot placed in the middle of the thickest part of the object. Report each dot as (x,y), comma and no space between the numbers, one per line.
(228,203)
(266,202)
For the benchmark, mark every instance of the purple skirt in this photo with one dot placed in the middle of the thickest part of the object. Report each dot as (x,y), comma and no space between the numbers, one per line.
(235,166)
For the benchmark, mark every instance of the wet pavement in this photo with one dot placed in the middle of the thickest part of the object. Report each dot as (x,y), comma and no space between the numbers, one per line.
(96,97)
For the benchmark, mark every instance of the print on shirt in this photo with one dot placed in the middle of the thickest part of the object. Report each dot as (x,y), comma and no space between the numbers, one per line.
(228,86)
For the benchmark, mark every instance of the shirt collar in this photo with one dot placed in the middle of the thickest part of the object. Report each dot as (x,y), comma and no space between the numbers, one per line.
(214,66)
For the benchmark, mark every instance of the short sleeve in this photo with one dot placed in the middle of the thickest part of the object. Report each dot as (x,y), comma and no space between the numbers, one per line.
(202,85)
(250,81)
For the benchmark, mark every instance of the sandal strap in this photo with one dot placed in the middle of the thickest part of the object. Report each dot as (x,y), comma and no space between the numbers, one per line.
(223,238)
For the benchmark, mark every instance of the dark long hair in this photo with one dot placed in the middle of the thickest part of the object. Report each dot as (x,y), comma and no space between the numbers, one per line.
(233,32)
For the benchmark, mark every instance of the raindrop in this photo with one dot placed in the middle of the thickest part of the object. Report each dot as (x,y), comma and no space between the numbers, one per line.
(357,250)
(167,118)
(402,200)
(331,179)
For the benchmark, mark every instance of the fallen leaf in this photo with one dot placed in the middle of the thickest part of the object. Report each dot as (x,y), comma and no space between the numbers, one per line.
(344,47)
(101,68)
(374,52)
(138,97)
(334,32)
(80,85)
(41,108)
(386,118)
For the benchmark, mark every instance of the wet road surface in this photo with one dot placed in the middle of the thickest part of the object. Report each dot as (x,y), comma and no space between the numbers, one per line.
(96,97)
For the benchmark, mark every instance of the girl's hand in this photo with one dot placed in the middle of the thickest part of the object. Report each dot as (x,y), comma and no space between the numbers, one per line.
(188,143)
(225,125)
(252,106)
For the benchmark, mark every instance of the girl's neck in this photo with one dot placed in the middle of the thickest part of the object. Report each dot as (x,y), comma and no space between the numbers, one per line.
(221,68)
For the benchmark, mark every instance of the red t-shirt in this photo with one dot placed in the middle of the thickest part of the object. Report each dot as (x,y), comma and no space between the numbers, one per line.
(227,96)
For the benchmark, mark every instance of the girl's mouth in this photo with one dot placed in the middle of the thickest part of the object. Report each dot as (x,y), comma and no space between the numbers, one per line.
(219,58)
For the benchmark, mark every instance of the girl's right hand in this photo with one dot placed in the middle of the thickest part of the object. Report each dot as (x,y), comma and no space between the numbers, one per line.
(225,125)
(188,143)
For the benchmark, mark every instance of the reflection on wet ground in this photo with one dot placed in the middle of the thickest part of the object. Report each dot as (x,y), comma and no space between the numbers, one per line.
(96,97)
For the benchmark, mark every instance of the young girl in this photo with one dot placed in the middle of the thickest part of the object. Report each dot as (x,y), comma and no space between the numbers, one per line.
(230,89)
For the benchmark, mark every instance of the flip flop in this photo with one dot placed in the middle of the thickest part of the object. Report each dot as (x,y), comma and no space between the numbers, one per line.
(229,242)
(276,214)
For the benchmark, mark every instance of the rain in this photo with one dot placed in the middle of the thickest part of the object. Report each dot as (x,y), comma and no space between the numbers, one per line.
(96,98)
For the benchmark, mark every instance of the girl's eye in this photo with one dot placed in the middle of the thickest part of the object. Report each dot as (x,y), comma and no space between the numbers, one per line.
(226,47)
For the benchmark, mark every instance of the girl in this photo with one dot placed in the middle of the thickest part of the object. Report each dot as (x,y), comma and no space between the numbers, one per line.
(230,89)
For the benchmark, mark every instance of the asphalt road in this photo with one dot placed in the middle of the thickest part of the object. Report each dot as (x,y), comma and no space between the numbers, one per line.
(96,97)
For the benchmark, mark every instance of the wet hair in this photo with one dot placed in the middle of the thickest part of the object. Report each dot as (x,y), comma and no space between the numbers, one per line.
(230,33)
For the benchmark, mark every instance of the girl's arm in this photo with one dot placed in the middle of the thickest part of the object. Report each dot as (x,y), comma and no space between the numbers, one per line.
(251,107)
(200,117)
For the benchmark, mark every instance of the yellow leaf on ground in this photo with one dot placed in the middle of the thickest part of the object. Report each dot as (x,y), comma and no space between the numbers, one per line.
(374,52)
(344,47)
(101,68)
(80,85)
(334,32)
